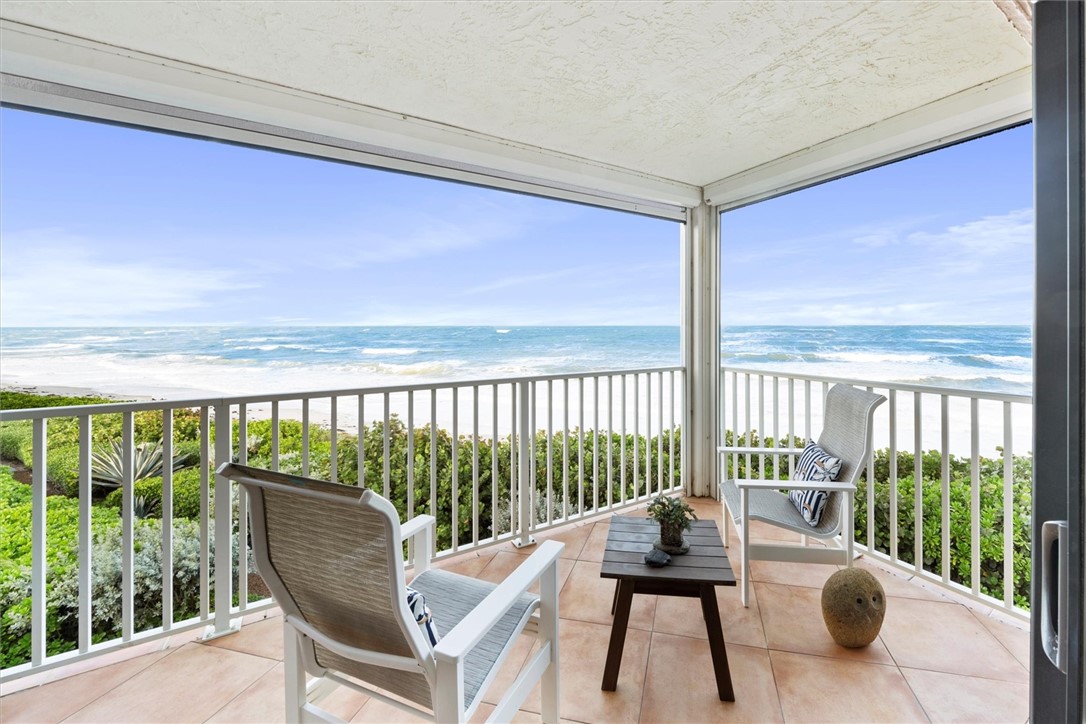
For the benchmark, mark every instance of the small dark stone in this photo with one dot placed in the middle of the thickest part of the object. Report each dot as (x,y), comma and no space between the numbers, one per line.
(657,558)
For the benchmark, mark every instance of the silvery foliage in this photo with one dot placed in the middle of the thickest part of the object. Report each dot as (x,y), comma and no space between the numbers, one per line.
(106,607)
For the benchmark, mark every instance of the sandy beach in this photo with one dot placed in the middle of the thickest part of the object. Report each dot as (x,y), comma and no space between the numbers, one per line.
(555,410)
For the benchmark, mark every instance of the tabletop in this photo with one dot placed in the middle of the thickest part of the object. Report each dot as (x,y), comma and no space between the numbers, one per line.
(631,537)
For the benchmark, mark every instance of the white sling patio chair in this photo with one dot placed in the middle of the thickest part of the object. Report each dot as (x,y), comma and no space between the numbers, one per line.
(846,435)
(332,556)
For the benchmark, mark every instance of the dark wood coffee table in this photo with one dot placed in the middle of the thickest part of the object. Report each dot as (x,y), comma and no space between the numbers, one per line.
(695,574)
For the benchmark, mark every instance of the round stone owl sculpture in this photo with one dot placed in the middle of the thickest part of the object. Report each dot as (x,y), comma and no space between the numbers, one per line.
(853,606)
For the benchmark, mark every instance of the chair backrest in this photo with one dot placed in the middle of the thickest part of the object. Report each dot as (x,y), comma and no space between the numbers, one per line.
(846,427)
(331,556)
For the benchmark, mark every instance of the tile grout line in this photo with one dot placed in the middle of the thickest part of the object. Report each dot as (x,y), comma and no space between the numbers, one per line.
(118,684)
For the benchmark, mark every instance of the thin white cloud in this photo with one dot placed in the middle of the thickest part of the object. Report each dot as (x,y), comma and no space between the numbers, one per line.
(988,235)
(976,272)
(50,278)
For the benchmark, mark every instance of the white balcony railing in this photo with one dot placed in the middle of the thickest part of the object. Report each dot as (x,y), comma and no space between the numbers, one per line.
(975,535)
(599,441)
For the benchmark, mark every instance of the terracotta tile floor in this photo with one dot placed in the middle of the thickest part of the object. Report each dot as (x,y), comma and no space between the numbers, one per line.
(936,659)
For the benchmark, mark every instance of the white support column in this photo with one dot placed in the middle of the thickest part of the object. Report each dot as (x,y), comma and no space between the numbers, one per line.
(701,346)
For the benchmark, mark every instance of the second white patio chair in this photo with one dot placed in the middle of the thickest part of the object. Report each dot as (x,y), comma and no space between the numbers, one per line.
(846,435)
(332,556)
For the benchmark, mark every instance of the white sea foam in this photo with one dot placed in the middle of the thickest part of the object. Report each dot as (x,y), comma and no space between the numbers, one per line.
(875,357)
(389,351)
(1015,361)
(502,331)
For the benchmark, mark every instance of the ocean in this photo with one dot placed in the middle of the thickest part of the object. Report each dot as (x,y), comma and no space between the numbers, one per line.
(180,362)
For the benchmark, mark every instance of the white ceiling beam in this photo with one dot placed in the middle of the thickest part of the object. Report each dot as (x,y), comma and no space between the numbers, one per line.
(57,58)
(988,107)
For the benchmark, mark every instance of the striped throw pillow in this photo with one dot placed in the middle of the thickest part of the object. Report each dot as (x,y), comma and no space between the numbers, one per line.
(814,464)
(423,617)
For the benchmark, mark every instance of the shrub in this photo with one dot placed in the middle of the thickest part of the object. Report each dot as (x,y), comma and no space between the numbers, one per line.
(186,494)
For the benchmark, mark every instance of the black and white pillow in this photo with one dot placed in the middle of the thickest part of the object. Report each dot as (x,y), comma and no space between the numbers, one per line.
(423,617)
(818,465)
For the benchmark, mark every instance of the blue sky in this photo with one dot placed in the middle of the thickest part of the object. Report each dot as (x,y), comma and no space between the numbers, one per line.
(105,226)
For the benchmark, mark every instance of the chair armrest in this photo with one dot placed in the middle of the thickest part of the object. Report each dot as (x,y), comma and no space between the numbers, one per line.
(420,530)
(830,485)
(413,527)
(759,450)
(466,634)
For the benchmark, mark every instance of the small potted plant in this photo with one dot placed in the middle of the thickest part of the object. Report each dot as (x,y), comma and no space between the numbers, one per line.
(674,516)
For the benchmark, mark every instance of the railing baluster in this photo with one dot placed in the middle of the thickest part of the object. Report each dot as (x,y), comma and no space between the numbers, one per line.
(243,513)
(275,435)
(386,462)
(761,425)
(433,458)
(1008,508)
(565,449)
(974,481)
(454,464)
(892,401)
(533,472)
(807,410)
(86,541)
(610,435)
(167,518)
(580,445)
(869,466)
(660,433)
(596,443)
(224,521)
(128,583)
(550,456)
(622,446)
(746,413)
(636,438)
(37,543)
(361,440)
(776,427)
(494,463)
(791,424)
(409,462)
(515,435)
(671,426)
(333,433)
(944,407)
(305,437)
(734,472)
(918,485)
(475,464)
(205,512)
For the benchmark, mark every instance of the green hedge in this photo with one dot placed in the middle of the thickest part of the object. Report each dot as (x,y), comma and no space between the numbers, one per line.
(62,563)
(563,489)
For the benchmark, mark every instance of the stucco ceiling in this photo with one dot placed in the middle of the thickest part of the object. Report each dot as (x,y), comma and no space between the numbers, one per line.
(692,92)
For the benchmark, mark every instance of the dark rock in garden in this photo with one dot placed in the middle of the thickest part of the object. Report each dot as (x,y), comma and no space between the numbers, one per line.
(853,606)
(657,558)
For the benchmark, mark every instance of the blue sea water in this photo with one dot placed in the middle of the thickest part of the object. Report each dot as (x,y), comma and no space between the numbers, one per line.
(257,359)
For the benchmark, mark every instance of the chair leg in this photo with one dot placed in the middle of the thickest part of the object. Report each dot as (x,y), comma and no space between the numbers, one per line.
(744,544)
(294,674)
(724,519)
(548,631)
(850,530)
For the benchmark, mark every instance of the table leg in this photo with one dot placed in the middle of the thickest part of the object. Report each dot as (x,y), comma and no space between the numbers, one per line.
(624,598)
(716,643)
(614,599)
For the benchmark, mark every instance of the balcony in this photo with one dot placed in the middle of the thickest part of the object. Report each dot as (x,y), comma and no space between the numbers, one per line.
(939,657)
(950,647)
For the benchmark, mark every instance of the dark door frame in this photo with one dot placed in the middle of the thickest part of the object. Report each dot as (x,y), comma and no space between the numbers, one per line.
(1059,447)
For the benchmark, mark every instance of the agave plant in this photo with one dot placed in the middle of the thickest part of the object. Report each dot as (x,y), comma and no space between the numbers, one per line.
(107,465)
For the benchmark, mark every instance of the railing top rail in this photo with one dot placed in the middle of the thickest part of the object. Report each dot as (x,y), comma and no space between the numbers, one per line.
(37,413)
(907,387)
